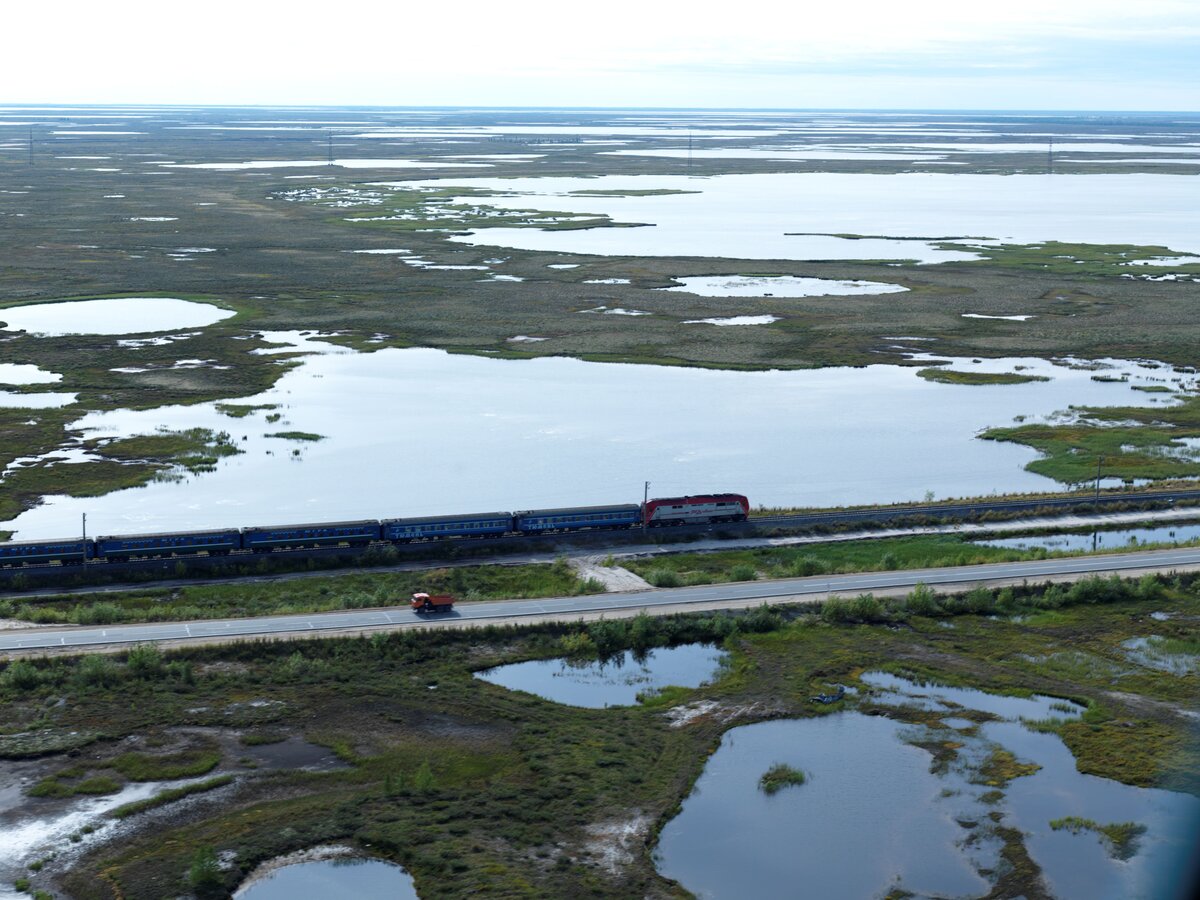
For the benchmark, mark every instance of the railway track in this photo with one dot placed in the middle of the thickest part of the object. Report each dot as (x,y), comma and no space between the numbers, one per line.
(866,516)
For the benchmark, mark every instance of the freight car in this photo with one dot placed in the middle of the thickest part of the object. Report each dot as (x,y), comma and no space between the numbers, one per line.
(697,510)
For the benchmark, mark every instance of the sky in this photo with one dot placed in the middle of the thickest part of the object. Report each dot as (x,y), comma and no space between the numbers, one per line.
(790,54)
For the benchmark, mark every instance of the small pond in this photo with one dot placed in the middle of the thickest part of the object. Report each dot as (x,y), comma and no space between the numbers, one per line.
(362,879)
(1098,540)
(23,373)
(123,315)
(873,789)
(47,400)
(612,682)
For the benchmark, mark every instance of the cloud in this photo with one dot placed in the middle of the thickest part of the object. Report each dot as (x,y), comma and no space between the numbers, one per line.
(524,51)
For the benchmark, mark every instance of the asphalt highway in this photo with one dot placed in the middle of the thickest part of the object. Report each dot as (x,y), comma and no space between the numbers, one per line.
(567,608)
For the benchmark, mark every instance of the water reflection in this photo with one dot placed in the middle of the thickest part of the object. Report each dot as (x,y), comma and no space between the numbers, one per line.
(362,879)
(1098,540)
(125,315)
(616,681)
(516,434)
(878,813)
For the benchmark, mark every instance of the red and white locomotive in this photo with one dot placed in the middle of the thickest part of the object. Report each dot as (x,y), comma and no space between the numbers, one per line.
(699,510)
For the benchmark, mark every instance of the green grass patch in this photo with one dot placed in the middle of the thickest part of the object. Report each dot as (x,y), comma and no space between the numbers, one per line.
(241,410)
(1134,443)
(148,767)
(779,776)
(296,436)
(1121,838)
(316,594)
(835,557)
(1001,767)
(164,797)
(61,785)
(954,376)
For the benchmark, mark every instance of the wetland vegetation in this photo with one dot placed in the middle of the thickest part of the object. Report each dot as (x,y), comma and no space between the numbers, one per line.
(279,251)
(1127,442)
(471,786)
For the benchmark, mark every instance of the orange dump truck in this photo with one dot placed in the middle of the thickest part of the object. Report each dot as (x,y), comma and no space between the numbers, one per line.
(422,602)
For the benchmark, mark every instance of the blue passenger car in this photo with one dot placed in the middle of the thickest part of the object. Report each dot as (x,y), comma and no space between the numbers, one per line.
(433,527)
(29,553)
(535,521)
(328,534)
(182,543)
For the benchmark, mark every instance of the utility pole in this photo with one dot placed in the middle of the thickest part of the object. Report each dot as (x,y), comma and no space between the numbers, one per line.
(1096,502)
(645,512)
(85,555)
(1050,158)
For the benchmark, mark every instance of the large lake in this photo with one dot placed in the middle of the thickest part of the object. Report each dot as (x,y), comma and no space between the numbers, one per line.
(424,432)
(793,216)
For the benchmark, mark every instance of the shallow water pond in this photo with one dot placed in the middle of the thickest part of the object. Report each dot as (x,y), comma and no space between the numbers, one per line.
(49,400)
(23,373)
(1156,652)
(516,434)
(611,682)
(33,828)
(913,822)
(868,817)
(1098,540)
(897,690)
(124,315)
(362,879)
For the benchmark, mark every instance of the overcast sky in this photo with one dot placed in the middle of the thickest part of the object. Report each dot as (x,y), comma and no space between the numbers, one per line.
(951,54)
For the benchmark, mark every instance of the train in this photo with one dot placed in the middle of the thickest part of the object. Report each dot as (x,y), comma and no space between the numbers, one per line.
(703,509)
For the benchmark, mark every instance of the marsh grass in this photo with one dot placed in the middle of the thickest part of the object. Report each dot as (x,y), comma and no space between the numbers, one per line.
(778,777)
(169,796)
(955,376)
(1120,838)
(1135,443)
